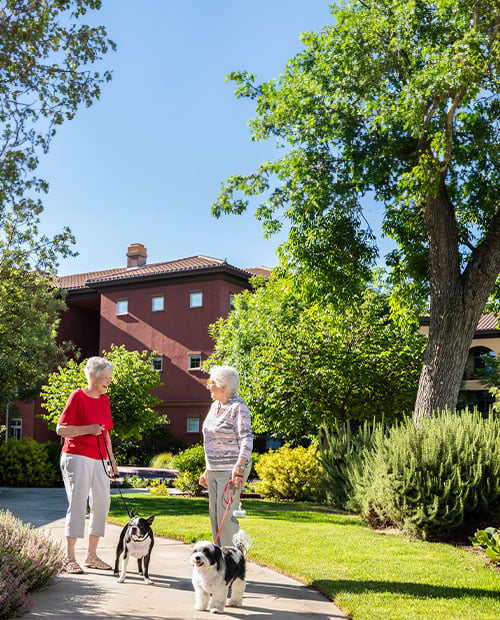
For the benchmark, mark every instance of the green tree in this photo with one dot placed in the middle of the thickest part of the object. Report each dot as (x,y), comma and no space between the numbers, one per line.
(302,366)
(398,100)
(28,321)
(129,393)
(46,56)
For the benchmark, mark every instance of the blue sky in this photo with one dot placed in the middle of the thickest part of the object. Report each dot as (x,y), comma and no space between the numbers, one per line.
(145,162)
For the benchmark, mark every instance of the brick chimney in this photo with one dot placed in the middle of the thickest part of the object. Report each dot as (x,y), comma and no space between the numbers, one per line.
(136,255)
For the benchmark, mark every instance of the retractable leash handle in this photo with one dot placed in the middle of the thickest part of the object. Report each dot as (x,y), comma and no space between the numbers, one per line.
(239,512)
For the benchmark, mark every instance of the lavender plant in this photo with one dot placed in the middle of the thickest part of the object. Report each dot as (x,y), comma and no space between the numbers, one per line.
(28,560)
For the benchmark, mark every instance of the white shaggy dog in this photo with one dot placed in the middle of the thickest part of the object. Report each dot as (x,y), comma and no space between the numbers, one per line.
(216,569)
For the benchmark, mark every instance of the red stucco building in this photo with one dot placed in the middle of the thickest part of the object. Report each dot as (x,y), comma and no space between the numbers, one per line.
(163,307)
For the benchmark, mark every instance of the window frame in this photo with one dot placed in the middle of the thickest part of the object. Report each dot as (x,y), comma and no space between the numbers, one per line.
(190,357)
(192,419)
(155,297)
(191,295)
(118,302)
(155,359)
(15,430)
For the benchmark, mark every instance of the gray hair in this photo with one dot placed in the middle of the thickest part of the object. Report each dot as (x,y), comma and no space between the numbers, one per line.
(226,376)
(96,365)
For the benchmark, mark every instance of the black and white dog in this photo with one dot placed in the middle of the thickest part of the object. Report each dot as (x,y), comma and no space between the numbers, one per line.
(216,569)
(136,540)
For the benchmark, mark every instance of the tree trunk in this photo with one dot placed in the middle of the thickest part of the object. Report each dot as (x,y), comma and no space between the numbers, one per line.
(456,302)
(450,334)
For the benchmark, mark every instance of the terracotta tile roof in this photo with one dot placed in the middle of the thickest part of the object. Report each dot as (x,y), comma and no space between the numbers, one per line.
(192,263)
(487,322)
(259,271)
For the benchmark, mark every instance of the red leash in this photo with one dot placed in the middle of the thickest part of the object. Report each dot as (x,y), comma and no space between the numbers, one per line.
(228,502)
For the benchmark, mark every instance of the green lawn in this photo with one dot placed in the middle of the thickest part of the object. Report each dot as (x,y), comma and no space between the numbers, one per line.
(370,575)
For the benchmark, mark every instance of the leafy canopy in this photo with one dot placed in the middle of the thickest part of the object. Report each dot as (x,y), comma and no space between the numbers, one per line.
(28,321)
(391,99)
(303,365)
(129,392)
(46,58)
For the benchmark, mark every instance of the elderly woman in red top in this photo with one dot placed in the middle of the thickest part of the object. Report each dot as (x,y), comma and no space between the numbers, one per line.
(85,424)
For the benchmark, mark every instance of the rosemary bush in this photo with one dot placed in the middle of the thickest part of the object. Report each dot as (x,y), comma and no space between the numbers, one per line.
(342,457)
(28,560)
(438,481)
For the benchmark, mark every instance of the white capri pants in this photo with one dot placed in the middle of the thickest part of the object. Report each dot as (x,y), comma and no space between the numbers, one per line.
(84,478)
(217,480)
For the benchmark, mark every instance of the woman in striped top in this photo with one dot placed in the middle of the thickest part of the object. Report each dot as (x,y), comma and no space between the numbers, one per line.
(228,442)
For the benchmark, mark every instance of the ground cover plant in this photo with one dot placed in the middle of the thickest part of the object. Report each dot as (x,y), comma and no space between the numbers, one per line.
(28,560)
(370,575)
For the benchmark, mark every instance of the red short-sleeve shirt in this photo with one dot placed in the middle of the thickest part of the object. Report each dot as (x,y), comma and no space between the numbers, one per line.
(81,410)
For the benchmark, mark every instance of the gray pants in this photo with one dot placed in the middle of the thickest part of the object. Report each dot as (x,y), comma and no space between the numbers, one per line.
(217,480)
(85,478)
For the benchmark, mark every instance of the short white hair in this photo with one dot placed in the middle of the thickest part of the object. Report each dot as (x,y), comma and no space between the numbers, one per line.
(96,365)
(225,376)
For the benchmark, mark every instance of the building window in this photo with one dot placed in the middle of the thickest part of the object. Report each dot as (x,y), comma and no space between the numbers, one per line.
(194,361)
(231,301)
(16,427)
(196,299)
(158,303)
(122,306)
(157,363)
(193,425)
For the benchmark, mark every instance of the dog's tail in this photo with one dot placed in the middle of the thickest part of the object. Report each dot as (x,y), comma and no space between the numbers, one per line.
(242,542)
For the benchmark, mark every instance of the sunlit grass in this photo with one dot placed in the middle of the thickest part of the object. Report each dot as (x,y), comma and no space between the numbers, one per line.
(370,575)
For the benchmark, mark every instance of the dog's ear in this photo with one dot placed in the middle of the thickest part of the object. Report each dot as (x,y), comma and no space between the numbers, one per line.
(150,519)
(218,557)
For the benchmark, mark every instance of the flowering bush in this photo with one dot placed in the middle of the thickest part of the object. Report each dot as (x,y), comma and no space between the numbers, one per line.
(158,487)
(28,560)
(290,474)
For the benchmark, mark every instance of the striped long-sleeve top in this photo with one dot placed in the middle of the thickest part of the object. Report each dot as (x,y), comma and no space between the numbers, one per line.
(227,434)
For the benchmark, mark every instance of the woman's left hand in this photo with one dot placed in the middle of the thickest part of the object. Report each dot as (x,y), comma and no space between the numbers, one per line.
(237,475)
(113,470)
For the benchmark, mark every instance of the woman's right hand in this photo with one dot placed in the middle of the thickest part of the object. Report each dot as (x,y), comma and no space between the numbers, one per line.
(95,429)
(203,480)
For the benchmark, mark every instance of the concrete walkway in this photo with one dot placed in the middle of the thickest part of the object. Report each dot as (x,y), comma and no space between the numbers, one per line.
(97,594)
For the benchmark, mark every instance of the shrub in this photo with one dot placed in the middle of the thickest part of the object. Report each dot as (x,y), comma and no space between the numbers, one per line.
(135,482)
(342,457)
(158,487)
(436,481)
(28,560)
(191,464)
(164,460)
(290,474)
(26,463)
(54,455)
(489,540)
